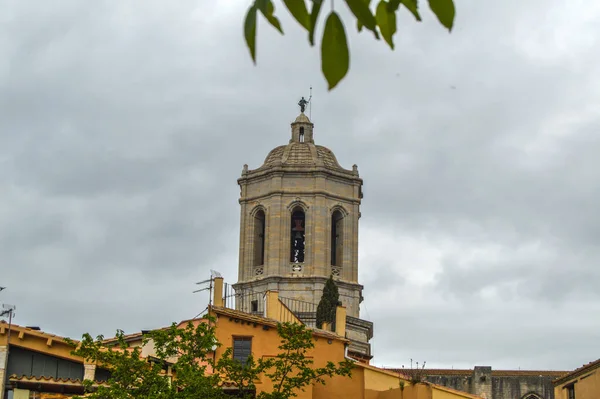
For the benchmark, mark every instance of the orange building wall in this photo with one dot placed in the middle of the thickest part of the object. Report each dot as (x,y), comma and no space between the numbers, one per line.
(342,387)
(36,341)
(265,344)
(586,388)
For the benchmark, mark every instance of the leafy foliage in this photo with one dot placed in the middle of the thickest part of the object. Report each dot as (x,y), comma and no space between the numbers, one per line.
(242,375)
(328,304)
(132,376)
(187,350)
(335,55)
(291,370)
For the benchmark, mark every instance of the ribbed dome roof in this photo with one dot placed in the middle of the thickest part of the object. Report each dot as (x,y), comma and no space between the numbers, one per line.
(302,154)
(302,118)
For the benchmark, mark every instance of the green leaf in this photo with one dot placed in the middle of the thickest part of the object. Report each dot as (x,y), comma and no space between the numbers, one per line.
(298,10)
(361,10)
(386,21)
(413,7)
(444,11)
(267,9)
(335,57)
(314,15)
(393,5)
(250,31)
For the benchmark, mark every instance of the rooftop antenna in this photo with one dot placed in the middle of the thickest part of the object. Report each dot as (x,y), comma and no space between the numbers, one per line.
(310,105)
(213,274)
(8,310)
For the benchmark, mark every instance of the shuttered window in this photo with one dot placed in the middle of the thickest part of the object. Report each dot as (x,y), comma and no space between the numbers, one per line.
(242,348)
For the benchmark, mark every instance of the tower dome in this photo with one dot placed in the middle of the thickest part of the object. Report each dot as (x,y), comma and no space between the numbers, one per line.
(301,152)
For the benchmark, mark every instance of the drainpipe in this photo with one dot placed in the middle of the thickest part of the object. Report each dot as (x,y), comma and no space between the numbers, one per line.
(346,354)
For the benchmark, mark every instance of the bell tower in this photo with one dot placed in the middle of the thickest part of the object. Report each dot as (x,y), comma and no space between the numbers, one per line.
(299,226)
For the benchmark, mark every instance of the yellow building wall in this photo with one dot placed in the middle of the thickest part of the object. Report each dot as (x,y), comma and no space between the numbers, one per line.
(419,391)
(265,344)
(39,342)
(342,387)
(438,393)
(585,388)
(380,381)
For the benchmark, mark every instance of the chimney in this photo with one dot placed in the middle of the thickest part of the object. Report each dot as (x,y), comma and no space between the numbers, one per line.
(340,321)
(272,305)
(218,292)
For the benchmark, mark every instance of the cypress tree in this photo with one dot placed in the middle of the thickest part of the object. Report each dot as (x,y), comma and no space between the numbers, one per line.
(328,303)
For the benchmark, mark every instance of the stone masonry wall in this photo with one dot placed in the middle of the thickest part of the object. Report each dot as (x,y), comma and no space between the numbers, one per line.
(482,381)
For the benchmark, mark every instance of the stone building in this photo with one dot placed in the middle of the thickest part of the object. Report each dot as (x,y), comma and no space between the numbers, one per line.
(299,226)
(495,384)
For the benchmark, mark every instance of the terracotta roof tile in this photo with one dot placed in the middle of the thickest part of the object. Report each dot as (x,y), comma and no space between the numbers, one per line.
(495,373)
(49,380)
(30,331)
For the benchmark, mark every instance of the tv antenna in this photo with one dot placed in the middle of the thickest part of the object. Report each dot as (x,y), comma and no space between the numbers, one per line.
(310,105)
(213,274)
(8,310)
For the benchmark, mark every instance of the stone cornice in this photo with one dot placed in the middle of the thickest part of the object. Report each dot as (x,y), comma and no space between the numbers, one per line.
(287,170)
(297,193)
(311,279)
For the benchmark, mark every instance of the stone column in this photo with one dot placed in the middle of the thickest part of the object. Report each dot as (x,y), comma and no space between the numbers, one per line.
(89,371)
(482,381)
(3,366)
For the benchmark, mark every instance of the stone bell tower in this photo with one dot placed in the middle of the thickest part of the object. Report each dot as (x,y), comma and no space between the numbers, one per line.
(299,226)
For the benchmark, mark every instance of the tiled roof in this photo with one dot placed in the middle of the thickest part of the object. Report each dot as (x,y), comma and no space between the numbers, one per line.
(15,328)
(269,322)
(49,380)
(495,373)
(577,372)
(528,373)
(301,155)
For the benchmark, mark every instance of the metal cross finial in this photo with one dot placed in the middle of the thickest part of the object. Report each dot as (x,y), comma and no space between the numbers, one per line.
(302,103)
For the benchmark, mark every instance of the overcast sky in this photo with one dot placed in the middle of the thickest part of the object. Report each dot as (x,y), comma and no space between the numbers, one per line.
(125,124)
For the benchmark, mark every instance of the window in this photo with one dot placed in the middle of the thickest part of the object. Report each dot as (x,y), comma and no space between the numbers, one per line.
(337,238)
(297,236)
(301,136)
(259,238)
(571,391)
(242,348)
(254,306)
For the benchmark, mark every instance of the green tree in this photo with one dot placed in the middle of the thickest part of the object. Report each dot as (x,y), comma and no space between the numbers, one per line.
(328,304)
(335,55)
(134,377)
(187,350)
(241,374)
(291,371)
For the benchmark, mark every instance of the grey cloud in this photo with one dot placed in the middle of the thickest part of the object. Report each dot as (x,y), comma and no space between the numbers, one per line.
(123,130)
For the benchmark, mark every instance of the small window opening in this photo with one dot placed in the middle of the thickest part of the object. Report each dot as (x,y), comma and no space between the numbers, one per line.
(571,391)
(259,238)
(254,306)
(297,236)
(337,238)
(242,349)
(301,136)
